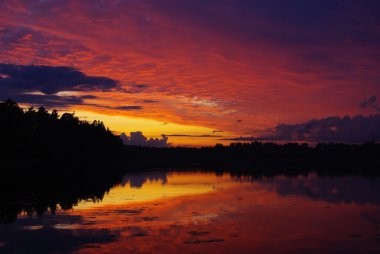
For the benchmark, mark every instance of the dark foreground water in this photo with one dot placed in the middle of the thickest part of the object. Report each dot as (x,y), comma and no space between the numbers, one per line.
(202,212)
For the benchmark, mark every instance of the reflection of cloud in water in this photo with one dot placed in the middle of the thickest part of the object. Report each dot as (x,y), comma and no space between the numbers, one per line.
(373,218)
(348,189)
(138,180)
(53,237)
(206,217)
(237,216)
(34,227)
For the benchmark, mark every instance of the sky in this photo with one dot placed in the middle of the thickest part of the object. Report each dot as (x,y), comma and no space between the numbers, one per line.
(200,71)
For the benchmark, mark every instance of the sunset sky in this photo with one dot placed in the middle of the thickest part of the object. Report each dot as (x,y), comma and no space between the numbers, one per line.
(200,71)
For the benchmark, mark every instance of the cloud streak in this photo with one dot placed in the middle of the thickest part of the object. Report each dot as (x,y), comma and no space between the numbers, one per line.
(194,136)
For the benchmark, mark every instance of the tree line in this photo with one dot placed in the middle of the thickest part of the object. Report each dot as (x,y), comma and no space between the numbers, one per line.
(36,133)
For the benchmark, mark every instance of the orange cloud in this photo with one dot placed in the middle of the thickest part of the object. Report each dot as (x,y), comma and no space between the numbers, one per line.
(238,68)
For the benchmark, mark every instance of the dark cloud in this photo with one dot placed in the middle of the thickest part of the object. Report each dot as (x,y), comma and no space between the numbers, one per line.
(194,136)
(289,23)
(125,108)
(50,100)
(242,139)
(133,88)
(50,80)
(370,103)
(357,129)
(138,139)
(217,131)
(141,86)
(37,84)
(149,101)
(129,107)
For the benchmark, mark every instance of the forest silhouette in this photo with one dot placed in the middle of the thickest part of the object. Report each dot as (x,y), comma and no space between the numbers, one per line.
(48,138)
(49,160)
(36,133)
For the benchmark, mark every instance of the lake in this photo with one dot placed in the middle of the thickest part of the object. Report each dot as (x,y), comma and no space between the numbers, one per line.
(198,212)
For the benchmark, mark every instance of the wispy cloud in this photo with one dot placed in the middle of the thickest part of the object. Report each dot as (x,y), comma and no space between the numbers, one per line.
(370,103)
(194,136)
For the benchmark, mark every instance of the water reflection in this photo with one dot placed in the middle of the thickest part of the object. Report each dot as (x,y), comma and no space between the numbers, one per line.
(157,185)
(195,212)
(348,189)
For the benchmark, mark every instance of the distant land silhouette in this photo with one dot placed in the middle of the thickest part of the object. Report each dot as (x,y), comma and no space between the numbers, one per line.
(37,138)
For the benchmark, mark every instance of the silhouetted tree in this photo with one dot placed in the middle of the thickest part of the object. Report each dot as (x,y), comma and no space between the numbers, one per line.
(40,134)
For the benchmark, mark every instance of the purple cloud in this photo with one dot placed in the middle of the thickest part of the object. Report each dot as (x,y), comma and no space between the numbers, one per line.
(357,129)
(138,139)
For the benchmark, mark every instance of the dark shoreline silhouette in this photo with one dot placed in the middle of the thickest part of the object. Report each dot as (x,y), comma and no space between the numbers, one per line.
(43,139)
(38,134)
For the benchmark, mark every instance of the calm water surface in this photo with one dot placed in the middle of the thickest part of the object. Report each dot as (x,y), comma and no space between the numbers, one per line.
(198,212)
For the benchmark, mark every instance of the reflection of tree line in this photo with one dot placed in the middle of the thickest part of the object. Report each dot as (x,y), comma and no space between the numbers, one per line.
(39,192)
(35,192)
(49,160)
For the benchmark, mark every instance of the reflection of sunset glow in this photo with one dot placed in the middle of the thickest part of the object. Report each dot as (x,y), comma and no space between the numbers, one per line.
(245,218)
(178,184)
(194,212)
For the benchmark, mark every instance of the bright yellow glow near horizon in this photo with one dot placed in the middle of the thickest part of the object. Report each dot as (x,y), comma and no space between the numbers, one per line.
(178,184)
(152,128)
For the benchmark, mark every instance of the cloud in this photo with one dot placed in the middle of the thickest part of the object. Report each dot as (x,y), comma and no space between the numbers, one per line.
(50,80)
(41,84)
(122,108)
(133,88)
(138,139)
(128,107)
(149,101)
(50,100)
(370,103)
(243,139)
(260,59)
(194,136)
(357,129)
